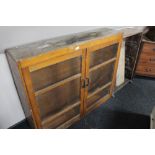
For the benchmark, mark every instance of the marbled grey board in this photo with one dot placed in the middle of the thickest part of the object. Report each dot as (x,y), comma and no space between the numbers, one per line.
(40,47)
(37,48)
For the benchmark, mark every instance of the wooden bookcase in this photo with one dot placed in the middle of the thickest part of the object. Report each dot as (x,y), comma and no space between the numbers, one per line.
(57,87)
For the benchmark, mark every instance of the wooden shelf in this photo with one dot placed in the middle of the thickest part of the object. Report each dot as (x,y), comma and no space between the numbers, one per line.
(71,121)
(102,64)
(55,115)
(99,102)
(99,89)
(44,90)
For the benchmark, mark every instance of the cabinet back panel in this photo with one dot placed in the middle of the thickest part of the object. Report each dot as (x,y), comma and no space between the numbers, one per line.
(147,58)
(102,55)
(132,45)
(100,77)
(59,98)
(47,76)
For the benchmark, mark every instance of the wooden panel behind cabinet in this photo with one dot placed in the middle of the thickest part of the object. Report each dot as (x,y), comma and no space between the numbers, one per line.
(146,59)
(146,62)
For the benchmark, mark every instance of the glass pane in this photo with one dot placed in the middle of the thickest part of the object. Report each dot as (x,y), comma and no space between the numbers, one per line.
(97,96)
(100,77)
(59,98)
(103,55)
(55,73)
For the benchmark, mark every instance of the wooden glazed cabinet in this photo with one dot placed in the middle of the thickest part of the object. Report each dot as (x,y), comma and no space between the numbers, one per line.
(59,85)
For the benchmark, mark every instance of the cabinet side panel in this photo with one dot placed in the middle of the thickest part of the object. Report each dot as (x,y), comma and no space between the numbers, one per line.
(132,54)
(20,89)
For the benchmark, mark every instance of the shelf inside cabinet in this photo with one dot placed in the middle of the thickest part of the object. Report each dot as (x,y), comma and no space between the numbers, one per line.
(98,103)
(102,64)
(98,90)
(46,89)
(49,119)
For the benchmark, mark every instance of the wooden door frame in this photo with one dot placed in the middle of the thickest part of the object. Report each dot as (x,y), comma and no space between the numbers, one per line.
(31,96)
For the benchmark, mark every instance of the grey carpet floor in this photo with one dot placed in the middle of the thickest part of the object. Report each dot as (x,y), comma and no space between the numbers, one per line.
(130,108)
(137,97)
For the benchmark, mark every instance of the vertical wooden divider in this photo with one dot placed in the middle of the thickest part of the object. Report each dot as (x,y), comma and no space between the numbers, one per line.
(87,76)
(82,79)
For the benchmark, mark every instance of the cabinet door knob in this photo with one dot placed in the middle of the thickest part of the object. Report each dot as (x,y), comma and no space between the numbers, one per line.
(87,82)
(82,83)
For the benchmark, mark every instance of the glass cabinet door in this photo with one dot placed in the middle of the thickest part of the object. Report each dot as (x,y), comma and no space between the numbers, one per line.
(100,69)
(57,90)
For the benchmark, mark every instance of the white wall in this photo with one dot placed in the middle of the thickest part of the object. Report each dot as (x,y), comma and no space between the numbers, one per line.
(10,108)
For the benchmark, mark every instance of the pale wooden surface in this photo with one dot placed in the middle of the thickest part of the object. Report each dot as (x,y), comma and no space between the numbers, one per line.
(121,67)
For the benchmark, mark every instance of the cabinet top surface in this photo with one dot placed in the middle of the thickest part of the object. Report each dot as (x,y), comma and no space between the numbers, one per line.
(40,47)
